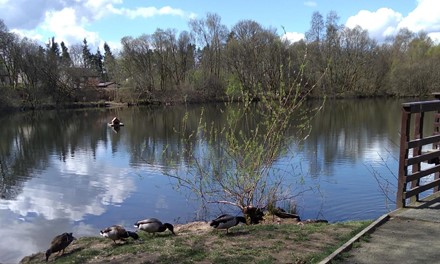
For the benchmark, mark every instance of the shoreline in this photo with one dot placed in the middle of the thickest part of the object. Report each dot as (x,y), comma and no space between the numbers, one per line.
(164,102)
(275,240)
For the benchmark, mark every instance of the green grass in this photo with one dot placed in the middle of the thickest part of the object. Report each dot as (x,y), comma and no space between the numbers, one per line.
(266,244)
(356,228)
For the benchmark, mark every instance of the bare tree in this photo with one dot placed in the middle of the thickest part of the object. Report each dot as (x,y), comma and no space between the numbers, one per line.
(136,62)
(239,168)
(316,31)
(76,55)
(186,53)
(211,36)
(254,56)
(9,53)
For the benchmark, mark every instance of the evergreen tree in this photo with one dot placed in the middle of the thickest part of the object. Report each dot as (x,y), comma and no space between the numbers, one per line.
(54,48)
(87,55)
(107,52)
(65,56)
(109,64)
(97,62)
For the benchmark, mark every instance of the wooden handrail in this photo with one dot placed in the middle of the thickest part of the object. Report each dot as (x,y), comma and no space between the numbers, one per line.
(419,107)
(422,188)
(423,157)
(413,118)
(423,141)
(420,174)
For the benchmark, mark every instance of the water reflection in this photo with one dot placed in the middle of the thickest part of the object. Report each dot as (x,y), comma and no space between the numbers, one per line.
(347,132)
(26,236)
(68,171)
(67,190)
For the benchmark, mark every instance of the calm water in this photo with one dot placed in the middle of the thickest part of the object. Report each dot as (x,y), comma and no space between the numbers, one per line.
(67,171)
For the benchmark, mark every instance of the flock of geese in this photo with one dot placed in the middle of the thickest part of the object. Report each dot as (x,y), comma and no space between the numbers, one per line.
(150,225)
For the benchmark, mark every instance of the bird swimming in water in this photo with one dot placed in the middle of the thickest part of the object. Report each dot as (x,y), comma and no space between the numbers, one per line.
(59,243)
(153,225)
(118,232)
(227,221)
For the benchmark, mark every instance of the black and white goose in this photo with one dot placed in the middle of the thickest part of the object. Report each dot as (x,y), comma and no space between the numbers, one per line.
(153,225)
(118,232)
(227,221)
(59,243)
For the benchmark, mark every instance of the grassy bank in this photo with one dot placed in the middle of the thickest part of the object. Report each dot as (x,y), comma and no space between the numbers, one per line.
(197,242)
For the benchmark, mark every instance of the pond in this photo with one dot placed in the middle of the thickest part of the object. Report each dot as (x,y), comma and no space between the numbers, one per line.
(67,171)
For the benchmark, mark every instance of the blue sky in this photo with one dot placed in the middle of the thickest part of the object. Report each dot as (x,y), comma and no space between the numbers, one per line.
(109,20)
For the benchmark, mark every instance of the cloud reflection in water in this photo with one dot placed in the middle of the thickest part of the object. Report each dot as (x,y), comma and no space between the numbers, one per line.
(59,198)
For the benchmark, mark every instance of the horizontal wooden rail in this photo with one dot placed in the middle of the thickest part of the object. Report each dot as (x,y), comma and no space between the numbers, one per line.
(420,174)
(426,157)
(423,141)
(419,107)
(422,188)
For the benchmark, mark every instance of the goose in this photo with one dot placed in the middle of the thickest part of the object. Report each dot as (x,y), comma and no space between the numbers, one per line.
(118,232)
(226,221)
(153,225)
(59,243)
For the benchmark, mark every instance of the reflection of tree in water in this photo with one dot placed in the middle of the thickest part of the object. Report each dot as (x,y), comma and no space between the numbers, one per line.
(28,140)
(5,181)
(345,129)
(161,144)
(165,142)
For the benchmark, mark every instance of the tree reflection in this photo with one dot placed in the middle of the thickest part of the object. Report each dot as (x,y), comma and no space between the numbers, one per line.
(28,140)
(345,129)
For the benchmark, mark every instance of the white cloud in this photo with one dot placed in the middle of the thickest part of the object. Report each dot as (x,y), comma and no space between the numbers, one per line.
(100,8)
(67,26)
(71,20)
(292,36)
(387,22)
(147,12)
(426,17)
(30,34)
(380,24)
(96,5)
(310,3)
(435,36)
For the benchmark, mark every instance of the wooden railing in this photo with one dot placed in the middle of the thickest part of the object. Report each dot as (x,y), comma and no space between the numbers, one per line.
(425,149)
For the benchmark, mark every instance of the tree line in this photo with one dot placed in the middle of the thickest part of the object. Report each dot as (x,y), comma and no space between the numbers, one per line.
(211,62)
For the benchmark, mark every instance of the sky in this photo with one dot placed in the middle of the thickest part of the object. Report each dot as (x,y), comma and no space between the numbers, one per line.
(108,21)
